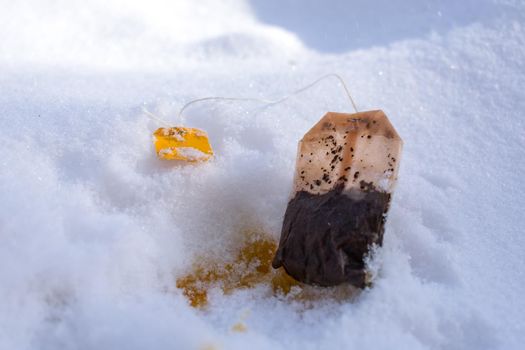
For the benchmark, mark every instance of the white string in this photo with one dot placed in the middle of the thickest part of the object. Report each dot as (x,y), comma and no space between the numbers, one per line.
(154,117)
(255,99)
(273,102)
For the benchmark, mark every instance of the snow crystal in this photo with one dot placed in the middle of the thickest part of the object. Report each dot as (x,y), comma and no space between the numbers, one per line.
(192,153)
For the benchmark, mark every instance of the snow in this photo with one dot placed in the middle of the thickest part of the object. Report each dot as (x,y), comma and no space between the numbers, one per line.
(192,154)
(94,229)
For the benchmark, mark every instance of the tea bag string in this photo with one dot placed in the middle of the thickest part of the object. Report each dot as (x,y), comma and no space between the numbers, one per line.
(154,117)
(261,100)
(272,102)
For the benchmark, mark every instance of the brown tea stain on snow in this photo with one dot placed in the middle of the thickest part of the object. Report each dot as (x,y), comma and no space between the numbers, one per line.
(209,347)
(251,267)
(239,327)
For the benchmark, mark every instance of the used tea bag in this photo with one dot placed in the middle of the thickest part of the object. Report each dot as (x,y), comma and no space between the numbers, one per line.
(346,170)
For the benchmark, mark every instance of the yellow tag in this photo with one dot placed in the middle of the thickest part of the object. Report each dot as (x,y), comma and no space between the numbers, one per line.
(182,143)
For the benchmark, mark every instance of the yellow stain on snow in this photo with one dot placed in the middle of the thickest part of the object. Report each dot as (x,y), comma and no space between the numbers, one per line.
(182,143)
(209,347)
(251,267)
(239,327)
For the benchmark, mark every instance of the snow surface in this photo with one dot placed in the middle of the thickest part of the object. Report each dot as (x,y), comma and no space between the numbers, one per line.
(94,229)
